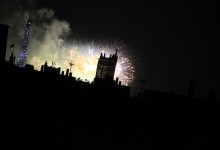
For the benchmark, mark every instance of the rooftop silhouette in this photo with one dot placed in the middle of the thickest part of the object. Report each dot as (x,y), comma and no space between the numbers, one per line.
(54,110)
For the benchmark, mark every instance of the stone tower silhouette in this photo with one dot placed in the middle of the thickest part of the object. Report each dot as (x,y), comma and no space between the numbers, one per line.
(106,66)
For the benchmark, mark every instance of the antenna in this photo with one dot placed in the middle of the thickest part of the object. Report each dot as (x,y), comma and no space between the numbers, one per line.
(71,64)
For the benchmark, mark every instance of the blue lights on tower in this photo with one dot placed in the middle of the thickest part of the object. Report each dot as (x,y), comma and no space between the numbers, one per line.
(24,46)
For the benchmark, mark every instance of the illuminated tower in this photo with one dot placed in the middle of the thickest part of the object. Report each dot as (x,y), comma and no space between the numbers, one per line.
(106,66)
(24,46)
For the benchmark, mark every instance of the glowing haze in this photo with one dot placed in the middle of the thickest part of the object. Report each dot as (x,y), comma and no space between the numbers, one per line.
(84,58)
(51,40)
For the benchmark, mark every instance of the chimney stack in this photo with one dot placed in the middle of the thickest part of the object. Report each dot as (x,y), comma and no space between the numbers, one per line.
(42,68)
(117,80)
(67,72)
(70,74)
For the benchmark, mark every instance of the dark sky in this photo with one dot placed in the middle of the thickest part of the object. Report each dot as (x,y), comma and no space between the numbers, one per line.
(176,42)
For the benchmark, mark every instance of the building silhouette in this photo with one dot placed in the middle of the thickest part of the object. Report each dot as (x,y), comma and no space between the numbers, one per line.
(106,66)
(24,45)
(55,111)
(51,70)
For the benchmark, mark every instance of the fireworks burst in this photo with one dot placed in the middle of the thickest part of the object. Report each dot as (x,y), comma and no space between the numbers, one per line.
(82,59)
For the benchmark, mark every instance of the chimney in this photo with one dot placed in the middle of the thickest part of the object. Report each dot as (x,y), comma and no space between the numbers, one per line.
(42,68)
(67,72)
(117,81)
(62,72)
(70,74)
(59,70)
(120,83)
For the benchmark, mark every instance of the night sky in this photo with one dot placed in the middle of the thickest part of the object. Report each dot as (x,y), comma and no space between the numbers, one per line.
(174,42)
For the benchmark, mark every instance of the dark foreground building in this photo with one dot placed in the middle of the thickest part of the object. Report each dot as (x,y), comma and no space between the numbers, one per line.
(53,110)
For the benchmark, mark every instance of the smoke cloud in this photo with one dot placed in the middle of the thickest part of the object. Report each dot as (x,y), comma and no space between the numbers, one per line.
(47,32)
(50,41)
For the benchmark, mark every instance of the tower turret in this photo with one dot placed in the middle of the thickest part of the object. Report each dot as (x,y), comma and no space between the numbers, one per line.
(106,66)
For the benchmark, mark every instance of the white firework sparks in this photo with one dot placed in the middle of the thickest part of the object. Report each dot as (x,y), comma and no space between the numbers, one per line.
(84,58)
